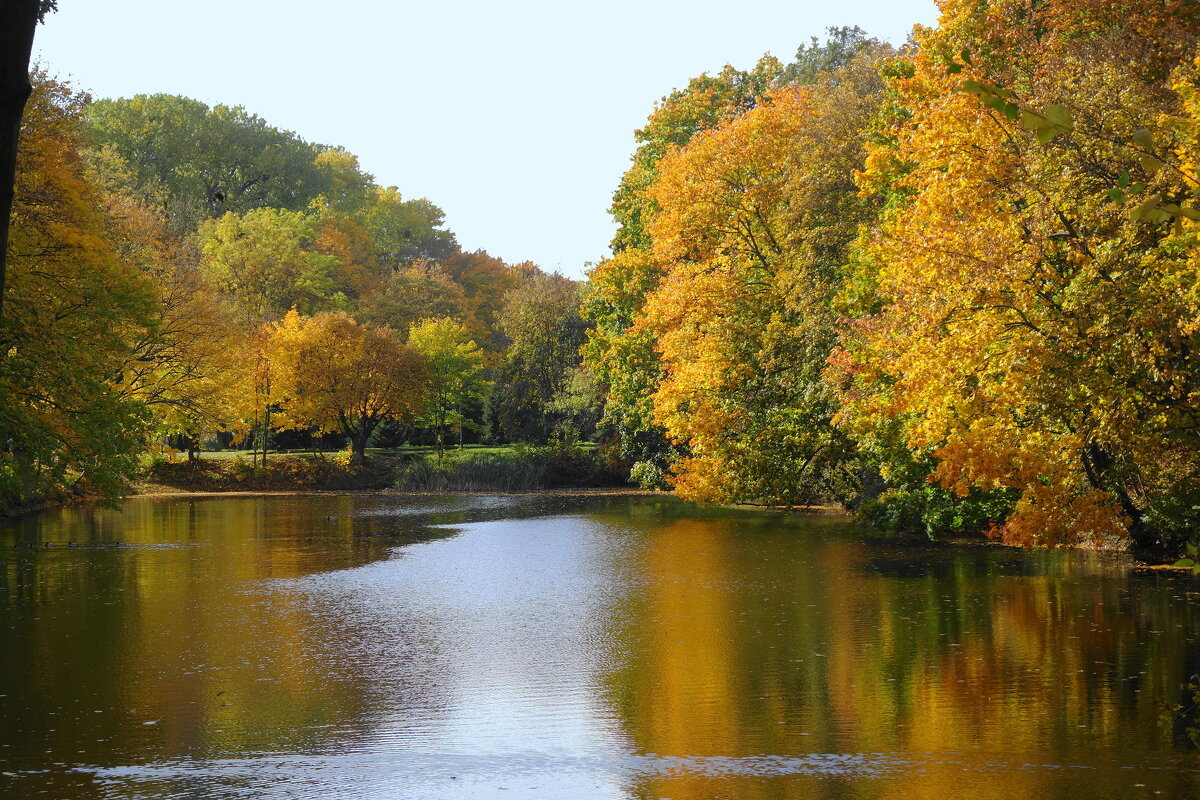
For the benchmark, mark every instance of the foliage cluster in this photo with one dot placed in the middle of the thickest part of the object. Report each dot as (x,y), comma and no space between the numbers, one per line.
(955,286)
(521,468)
(179,271)
(279,473)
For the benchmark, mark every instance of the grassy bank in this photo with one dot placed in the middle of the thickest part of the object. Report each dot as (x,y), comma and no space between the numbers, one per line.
(512,469)
(280,473)
(500,469)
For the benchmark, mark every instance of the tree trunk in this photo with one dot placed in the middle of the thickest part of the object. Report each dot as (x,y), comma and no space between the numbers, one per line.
(1097,463)
(18,20)
(358,448)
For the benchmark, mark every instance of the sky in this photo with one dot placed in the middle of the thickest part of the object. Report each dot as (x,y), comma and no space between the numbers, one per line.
(515,118)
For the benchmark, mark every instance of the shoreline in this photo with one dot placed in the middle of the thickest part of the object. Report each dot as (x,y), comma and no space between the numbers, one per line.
(1137,562)
(159,490)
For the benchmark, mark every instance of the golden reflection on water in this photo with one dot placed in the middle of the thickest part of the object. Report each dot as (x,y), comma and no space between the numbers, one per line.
(161,632)
(152,626)
(1005,673)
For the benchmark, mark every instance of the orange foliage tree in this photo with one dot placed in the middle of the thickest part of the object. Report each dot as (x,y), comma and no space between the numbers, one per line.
(1018,328)
(754,219)
(331,373)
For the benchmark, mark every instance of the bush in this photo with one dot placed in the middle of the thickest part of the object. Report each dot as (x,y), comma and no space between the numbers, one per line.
(935,512)
(521,468)
(281,473)
(648,475)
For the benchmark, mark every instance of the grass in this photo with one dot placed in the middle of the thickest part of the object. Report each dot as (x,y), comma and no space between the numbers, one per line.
(291,472)
(475,468)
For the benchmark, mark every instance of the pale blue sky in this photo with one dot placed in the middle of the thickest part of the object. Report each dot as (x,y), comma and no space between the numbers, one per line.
(515,118)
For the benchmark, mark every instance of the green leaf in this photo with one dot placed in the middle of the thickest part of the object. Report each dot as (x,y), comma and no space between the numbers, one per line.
(1191,548)
(1144,139)
(993,102)
(1032,120)
(1046,133)
(1187,213)
(1136,188)
(1116,195)
(1184,562)
(954,68)
(965,55)
(978,87)
(1151,164)
(1123,179)
(1060,116)
(1150,212)
(1011,111)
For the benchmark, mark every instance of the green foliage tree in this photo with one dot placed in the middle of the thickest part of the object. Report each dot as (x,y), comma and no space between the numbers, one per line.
(347,189)
(404,230)
(198,163)
(541,319)
(267,262)
(454,367)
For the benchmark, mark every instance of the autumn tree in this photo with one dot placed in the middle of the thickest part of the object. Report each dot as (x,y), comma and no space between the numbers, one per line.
(622,354)
(1020,330)
(20,19)
(411,294)
(74,308)
(455,381)
(331,373)
(184,364)
(267,262)
(624,359)
(541,318)
(755,219)
(356,272)
(485,280)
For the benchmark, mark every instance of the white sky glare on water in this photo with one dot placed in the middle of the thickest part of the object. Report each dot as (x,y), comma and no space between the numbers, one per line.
(515,118)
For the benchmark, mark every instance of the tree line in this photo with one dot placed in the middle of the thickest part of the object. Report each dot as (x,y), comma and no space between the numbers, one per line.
(184,273)
(953,285)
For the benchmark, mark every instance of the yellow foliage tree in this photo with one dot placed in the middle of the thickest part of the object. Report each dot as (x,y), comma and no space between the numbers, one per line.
(1019,327)
(754,218)
(73,308)
(331,373)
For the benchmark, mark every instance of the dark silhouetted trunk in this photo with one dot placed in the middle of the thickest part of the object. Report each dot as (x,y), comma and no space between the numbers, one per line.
(18,20)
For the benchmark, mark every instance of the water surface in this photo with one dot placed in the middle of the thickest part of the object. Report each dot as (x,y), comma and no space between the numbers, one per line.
(606,648)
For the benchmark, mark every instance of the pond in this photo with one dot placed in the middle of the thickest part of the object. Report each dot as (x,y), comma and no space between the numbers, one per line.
(600,648)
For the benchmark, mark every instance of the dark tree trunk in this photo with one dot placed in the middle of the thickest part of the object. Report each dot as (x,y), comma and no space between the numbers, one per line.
(358,449)
(1097,463)
(18,20)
